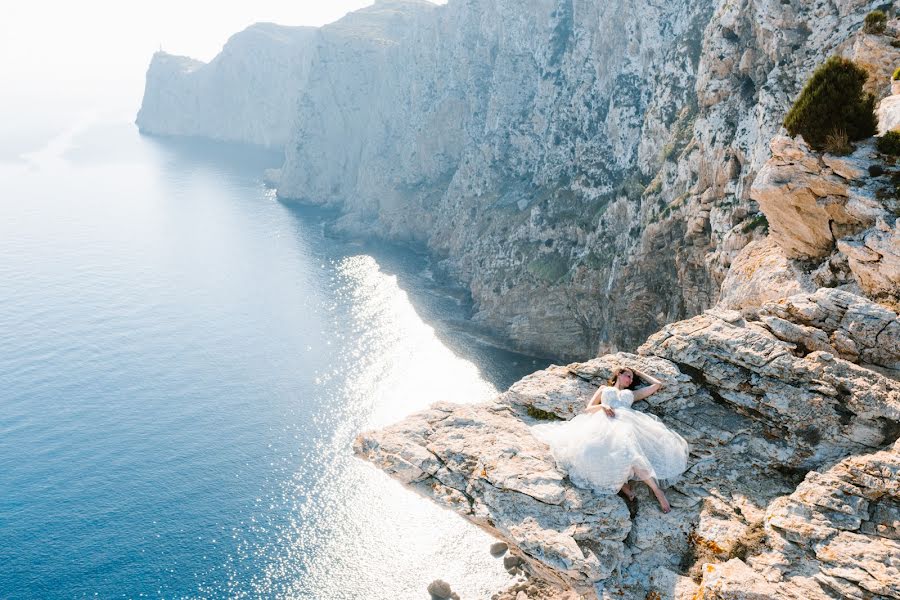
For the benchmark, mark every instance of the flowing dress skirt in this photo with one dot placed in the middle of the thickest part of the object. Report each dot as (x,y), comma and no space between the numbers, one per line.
(602,453)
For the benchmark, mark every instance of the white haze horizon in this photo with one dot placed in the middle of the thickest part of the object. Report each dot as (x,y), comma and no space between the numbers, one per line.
(66,63)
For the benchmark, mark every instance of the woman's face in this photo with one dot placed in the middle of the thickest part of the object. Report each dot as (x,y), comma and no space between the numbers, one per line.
(625,377)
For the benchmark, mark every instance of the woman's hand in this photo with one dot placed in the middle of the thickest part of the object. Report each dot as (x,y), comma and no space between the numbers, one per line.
(598,407)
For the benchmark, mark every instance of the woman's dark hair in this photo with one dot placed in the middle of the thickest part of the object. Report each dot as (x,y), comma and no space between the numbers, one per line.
(615,375)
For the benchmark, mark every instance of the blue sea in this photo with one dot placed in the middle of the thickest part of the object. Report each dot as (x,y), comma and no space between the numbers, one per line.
(184,363)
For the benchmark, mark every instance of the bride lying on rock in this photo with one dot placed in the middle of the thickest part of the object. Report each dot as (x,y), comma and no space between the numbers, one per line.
(610,443)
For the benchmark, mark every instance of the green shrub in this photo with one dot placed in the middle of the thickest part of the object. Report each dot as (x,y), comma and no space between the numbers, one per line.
(889,143)
(833,100)
(896,74)
(895,43)
(876,22)
(550,267)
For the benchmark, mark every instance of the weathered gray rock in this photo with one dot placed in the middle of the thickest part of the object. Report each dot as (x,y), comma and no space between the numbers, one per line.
(810,203)
(759,273)
(482,462)
(499,548)
(874,259)
(828,210)
(734,580)
(440,589)
(761,399)
(839,532)
(671,586)
(838,322)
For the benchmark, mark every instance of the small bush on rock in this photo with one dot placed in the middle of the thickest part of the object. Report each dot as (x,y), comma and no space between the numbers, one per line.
(896,74)
(833,100)
(889,143)
(543,415)
(876,22)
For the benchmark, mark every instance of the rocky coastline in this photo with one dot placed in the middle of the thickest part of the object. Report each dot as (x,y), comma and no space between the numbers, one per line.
(570,163)
(649,213)
(788,392)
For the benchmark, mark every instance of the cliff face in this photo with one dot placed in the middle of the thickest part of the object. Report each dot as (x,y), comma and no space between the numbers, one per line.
(248,93)
(594,171)
(584,167)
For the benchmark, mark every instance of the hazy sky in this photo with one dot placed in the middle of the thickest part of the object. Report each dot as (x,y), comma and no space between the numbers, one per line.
(82,42)
(59,58)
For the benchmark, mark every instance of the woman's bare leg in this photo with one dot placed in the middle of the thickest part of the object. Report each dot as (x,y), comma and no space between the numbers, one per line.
(660,496)
(626,489)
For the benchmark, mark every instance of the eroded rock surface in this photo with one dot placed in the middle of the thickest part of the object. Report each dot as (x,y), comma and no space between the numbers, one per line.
(482,462)
(761,272)
(838,533)
(809,199)
(772,404)
(833,220)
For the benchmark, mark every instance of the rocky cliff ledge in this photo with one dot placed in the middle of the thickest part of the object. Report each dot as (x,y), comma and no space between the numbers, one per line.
(788,392)
(573,163)
(792,413)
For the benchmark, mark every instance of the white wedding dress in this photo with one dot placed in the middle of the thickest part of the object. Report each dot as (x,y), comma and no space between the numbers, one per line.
(602,453)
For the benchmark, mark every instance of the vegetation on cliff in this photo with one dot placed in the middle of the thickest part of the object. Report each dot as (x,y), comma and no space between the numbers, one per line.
(834,104)
(876,22)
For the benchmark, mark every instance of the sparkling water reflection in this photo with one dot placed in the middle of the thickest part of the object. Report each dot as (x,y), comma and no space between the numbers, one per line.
(185,363)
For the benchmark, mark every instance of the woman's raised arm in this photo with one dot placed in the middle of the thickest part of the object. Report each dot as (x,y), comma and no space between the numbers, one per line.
(655,385)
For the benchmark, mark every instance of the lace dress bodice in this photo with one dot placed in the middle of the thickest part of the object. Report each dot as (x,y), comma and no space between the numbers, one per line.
(616,398)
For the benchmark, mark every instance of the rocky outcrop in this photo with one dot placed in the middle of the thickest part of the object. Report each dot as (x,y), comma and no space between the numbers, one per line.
(873,257)
(838,533)
(808,198)
(839,323)
(888,110)
(835,536)
(482,462)
(596,158)
(792,414)
(759,273)
(807,405)
(833,219)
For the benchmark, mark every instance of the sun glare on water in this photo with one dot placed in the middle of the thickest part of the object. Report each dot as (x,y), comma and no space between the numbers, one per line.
(373,538)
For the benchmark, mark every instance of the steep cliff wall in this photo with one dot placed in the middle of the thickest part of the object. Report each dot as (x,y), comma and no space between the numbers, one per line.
(248,93)
(583,166)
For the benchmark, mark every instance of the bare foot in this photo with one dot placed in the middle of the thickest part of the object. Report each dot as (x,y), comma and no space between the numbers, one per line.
(664,505)
(663,502)
(629,493)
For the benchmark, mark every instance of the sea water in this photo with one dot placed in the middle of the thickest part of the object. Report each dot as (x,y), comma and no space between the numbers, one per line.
(184,363)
